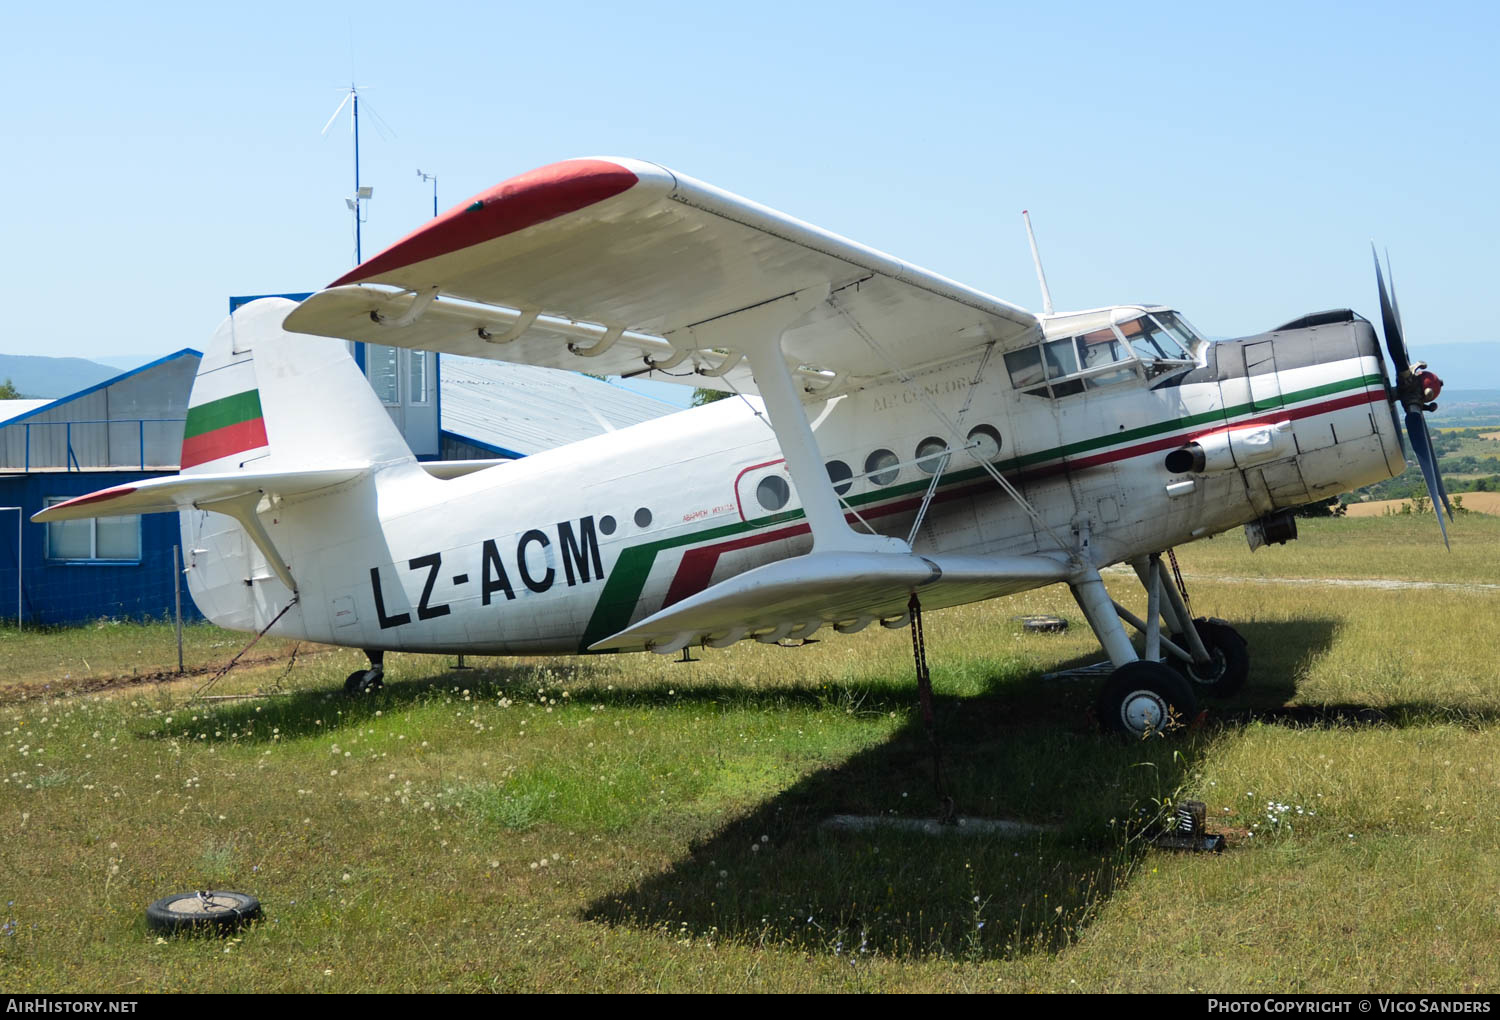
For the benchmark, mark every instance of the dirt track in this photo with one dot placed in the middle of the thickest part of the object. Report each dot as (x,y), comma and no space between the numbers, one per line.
(14,692)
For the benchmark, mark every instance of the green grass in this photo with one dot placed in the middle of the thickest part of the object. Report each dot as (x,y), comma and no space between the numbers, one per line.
(628,823)
(115,650)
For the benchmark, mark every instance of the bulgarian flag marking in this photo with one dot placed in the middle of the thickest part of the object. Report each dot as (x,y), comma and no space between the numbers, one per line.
(223,427)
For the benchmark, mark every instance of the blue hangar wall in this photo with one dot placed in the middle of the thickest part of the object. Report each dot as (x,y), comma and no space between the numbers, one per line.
(75,591)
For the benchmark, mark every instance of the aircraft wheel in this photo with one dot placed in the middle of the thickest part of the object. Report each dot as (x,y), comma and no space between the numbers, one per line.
(364,681)
(1142,699)
(202,911)
(1231,659)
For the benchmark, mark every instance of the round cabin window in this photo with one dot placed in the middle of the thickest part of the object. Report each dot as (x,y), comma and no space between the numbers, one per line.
(930,454)
(841,477)
(882,466)
(984,442)
(772,493)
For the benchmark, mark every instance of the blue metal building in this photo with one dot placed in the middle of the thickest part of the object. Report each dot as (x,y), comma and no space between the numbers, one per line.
(118,431)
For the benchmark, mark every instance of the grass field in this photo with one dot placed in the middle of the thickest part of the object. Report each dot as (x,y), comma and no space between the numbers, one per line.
(629,823)
(1476,502)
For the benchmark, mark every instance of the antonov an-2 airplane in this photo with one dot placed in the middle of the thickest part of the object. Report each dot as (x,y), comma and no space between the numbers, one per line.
(897,434)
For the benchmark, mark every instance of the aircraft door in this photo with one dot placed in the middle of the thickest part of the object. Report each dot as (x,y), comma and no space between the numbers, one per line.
(1260,366)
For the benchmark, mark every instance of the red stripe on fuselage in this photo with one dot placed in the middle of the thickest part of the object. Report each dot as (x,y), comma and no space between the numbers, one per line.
(231,439)
(697,566)
(524,201)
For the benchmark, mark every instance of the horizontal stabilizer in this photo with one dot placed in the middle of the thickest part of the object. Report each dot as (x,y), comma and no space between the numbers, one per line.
(180,492)
(236,494)
(793,598)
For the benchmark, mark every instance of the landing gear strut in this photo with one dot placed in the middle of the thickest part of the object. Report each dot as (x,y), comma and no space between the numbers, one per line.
(1144,695)
(367,681)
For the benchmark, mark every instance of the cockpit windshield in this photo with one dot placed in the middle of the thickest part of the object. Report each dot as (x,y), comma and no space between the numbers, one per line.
(1148,345)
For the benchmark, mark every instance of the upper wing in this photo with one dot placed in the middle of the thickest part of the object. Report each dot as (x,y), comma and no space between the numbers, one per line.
(599,264)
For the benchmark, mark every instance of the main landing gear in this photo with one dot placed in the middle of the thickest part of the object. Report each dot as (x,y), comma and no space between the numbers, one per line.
(367,681)
(1157,690)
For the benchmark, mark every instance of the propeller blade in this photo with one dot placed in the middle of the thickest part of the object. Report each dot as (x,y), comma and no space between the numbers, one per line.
(1395,302)
(1421,444)
(1394,341)
(1396,423)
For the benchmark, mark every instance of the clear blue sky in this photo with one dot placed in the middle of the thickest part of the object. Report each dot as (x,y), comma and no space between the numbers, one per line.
(1231,160)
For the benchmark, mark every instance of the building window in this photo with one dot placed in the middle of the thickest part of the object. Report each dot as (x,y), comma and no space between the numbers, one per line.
(416,376)
(385,378)
(98,539)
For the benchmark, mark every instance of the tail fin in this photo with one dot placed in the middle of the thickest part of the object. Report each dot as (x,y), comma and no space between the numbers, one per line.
(266,400)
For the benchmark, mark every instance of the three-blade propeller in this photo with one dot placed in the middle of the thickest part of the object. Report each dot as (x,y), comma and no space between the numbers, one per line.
(1415,390)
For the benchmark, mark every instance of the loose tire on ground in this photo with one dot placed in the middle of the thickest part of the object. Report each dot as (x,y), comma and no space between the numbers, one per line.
(1143,699)
(209,911)
(1231,655)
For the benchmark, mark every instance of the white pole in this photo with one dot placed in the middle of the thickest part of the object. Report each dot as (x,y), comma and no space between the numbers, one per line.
(177,597)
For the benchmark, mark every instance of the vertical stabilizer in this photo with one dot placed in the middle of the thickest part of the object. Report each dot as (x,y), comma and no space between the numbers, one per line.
(268,400)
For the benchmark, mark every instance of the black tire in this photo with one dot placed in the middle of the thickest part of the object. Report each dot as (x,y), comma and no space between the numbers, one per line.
(1142,699)
(1231,655)
(364,681)
(209,911)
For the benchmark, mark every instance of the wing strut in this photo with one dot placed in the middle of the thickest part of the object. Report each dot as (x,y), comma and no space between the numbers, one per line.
(756,331)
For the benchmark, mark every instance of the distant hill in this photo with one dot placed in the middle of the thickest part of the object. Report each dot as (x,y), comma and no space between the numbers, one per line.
(36,376)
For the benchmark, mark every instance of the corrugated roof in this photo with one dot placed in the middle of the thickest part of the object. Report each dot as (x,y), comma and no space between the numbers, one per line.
(15,408)
(526,409)
(112,380)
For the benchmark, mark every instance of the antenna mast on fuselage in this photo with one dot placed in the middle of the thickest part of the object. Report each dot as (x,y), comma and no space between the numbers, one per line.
(1041,277)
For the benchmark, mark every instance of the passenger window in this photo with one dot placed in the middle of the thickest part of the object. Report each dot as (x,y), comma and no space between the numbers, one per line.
(882,466)
(840,476)
(984,442)
(930,454)
(772,493)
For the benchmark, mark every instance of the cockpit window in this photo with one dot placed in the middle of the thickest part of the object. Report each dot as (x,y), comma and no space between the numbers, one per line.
(1153,343)
(1178,329)
(1149,341)
(1025,367)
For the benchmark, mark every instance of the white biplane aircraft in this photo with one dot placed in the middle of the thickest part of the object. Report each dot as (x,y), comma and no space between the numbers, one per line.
(903,442)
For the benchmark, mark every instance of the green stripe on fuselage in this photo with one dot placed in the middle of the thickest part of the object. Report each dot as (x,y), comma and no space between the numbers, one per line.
(622,590)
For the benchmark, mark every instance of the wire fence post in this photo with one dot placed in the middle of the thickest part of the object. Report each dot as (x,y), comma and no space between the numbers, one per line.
(20,519)
(177,597)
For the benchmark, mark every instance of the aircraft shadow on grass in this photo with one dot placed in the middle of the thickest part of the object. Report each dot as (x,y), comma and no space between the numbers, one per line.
(1025,749)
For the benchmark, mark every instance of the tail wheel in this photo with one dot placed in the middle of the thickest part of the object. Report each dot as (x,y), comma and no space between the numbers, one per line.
(364,681)
(1143,699)
(1230,668)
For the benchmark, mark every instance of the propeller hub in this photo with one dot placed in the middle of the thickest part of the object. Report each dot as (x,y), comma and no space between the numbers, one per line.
(1419,387)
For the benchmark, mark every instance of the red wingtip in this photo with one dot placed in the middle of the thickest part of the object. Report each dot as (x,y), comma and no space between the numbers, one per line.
(524,201)
(99,497)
